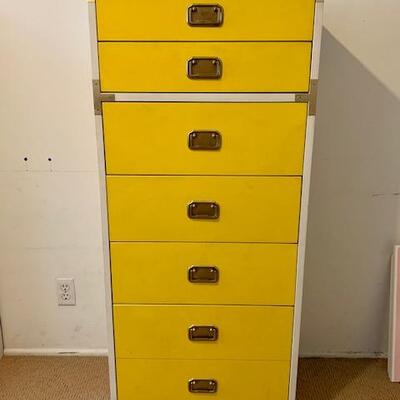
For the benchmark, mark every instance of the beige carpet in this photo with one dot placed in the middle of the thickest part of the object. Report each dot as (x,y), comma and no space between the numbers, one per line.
(73,378)
(53,378)
(338,379)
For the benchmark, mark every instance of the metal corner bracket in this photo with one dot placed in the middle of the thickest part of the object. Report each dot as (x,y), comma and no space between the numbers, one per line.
(99,97)
(310,97)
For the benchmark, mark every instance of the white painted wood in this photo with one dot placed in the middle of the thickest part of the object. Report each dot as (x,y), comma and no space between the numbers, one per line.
(317,40)
(301,255)
(206,97)
(304,208)
(107,266)
(93,39)
(104,219)
(1,342)
(393,316)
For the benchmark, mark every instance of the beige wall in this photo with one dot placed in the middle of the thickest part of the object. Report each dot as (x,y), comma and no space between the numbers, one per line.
(355,201)
(50,217)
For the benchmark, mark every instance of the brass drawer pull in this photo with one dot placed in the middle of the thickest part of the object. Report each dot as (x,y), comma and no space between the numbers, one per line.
(203,210)
(204,68)
(205,140)
(199,274)
(211,15)
(203,386)
(203,333)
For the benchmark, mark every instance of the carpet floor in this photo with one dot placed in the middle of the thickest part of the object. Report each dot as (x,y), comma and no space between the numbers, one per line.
(345,379)
(53,378)
(76,378)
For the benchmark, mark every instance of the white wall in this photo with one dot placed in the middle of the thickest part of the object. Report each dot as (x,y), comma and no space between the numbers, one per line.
(49,213)
(50,218)
(355,192)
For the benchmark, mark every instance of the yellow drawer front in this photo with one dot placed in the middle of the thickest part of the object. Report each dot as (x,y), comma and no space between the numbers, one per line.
(162,332)
(168,20)
(252,209)
(169,379)
(246,67)
(203,273)
(254,138)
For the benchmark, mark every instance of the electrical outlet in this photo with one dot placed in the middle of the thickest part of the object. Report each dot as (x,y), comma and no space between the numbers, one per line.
(66,292)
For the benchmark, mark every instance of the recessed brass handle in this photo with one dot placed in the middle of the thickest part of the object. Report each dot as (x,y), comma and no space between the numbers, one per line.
(203,333)
(204,68)
(199,274)
(205,140)
(203,210)
(206,15)
(203,386)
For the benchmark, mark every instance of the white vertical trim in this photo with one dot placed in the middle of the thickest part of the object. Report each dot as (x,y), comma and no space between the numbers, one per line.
(104,218)
(317,39)
(316,51)
(93,40)
(1,342)
(301,255)
(106,254)
(393,316)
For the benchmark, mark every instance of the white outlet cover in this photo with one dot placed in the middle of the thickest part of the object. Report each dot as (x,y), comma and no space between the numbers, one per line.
(66,292)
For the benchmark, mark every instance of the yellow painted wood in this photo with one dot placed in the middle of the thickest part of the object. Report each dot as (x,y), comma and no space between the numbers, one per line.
(161,332)
(247,67)
(252,209)
(257,138)
(167,20)
(262,274)
(168,379)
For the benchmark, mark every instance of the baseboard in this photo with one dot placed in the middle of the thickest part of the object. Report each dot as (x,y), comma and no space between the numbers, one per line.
(344,355)
(57,352)
(104,353)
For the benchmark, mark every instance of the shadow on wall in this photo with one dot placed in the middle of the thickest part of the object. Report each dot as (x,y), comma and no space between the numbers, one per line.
(354,215)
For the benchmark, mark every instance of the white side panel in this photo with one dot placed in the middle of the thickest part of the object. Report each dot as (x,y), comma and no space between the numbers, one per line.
(304,208)
(107,266)
(393,317)
(317,39)
(301,255)
(104,218)
(1,342)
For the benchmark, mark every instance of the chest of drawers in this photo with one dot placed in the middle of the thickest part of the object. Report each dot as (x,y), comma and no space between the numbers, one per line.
(205,129)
